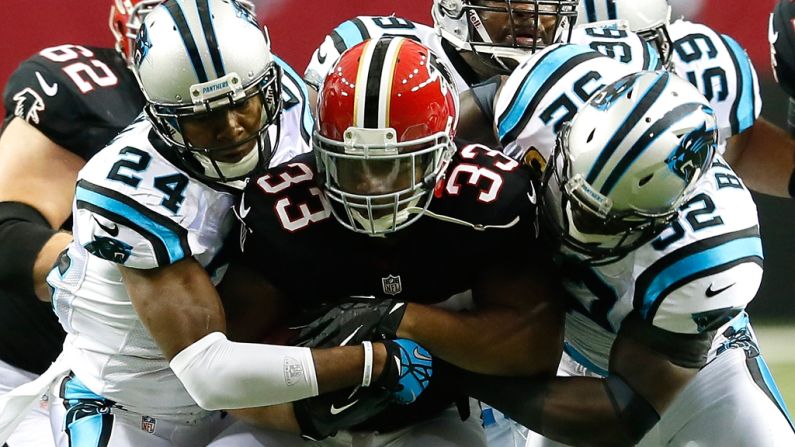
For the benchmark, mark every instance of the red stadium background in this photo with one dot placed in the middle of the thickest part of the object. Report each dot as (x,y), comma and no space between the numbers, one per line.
(297,27)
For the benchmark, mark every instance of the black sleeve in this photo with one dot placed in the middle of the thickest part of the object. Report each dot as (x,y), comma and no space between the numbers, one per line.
(484,95)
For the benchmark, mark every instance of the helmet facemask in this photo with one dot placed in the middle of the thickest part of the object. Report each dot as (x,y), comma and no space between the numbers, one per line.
(585,221)
(376,184)
(220,95)
(503,33)
(659,38)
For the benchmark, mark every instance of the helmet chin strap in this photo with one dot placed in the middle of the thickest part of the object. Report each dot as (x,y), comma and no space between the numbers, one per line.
(384,224)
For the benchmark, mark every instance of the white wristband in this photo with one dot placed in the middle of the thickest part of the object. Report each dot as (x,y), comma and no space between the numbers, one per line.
(367,375)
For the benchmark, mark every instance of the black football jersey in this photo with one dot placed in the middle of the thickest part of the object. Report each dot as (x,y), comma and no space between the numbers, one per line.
(482,214)
(79,97)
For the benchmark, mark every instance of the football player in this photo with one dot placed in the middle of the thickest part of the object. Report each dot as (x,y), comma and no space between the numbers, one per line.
(781,36)
(717,65)
(62,106)
(147,356)
(659,245)
(390,210)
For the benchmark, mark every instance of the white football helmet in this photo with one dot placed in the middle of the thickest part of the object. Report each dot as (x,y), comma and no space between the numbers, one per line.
(648,18)
(196,58)
(529,26)
(626,162)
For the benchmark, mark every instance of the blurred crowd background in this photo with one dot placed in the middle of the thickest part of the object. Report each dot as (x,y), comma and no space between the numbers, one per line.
(298,26)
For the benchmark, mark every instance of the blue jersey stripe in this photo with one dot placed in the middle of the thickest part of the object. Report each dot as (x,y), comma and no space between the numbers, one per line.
(170,239)
(773,389)
(704,260)
(654,63)
(745,113)
(307,120)
(350,33)
(531,84)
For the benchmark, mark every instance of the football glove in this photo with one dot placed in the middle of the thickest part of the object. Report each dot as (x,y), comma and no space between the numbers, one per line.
(322,416)
(407,372)
(353,322)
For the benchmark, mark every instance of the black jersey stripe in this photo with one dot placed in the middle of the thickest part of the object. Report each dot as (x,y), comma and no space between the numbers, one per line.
(158,220)
(611,10)
(373,94)
(362,28)
(550,81)
(187,38)
(733,117)
(645,280)
(339,42)
(648,138)
(648,99)
(205,17)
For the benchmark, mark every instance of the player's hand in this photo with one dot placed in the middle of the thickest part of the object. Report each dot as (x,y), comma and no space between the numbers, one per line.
(352,322)
(407,372)
(322,416)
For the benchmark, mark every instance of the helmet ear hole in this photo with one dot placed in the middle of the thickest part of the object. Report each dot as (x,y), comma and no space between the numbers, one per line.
(645,180)
(590,136)
(630,92)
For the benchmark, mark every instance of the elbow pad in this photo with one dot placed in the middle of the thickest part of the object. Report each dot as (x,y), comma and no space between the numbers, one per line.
(23,232)
(220,374)
(635,414)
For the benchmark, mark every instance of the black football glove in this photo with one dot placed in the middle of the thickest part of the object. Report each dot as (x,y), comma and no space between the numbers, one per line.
(353,322)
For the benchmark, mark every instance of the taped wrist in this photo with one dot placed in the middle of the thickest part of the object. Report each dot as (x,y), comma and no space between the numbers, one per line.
(220,374)
(23,233)
(635,414)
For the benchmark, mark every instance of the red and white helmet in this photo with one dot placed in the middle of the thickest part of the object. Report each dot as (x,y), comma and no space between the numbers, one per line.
(126,17)
(386,116)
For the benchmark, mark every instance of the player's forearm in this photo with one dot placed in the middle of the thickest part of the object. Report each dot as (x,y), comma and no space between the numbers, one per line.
(572,410)
(764,159)
(497,340)
(45,260)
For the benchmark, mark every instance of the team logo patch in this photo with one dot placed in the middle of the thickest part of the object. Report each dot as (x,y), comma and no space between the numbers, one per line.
(391,285)
(110,249)
(28,106)
(244,13)
(148,424)
(694,150)
(293,371)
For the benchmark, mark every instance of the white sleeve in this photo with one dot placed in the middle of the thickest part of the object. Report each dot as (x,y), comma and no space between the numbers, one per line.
(220,374)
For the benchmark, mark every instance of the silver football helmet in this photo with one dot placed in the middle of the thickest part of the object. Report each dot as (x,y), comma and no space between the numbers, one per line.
(504,31)
(201,59)
(647,18)
(625,164)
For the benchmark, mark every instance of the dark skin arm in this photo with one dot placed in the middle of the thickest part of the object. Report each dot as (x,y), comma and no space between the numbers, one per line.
(27,158)
(516,330)
(764,158)
(179,305)
(578,410)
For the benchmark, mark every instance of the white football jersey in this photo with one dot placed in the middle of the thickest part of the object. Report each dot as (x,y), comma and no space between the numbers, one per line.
(614,39)
(695,276)
(720,68)
(545,91)
(359,29)
(135,207)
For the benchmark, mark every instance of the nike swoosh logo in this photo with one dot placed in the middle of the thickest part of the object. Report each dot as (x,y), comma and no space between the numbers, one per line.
(49,90)
(243,209)
(422,356)
(334,410)
(113,231)
(532,194)
(321,56)
(710,293)
(772,36)
(348,338)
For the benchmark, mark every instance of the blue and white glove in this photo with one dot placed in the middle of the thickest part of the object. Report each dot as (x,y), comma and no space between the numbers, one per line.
(408,370)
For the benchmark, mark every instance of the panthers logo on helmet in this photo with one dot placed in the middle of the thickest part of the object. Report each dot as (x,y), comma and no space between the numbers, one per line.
(142,45)
(245,13)
(110,249)
(608,95)
(694,151)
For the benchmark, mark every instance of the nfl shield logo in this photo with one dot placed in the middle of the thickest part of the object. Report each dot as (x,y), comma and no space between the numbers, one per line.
(391,285)
(148,424)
